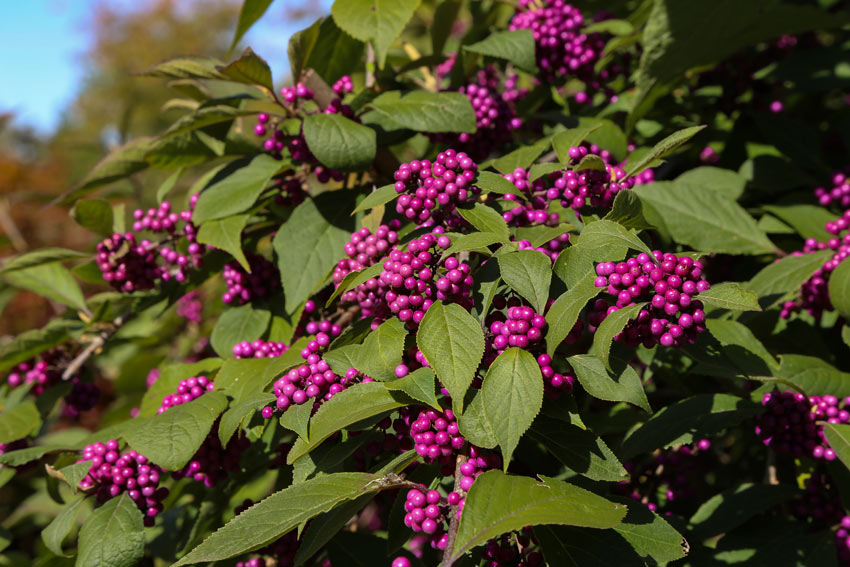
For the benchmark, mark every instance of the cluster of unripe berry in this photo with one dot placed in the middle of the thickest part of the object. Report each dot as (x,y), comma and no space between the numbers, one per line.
(495,116)
(129,265)
(666,477)
(814,293)
(428,192)
(112,473)
(436,438)
(789,424)
(259,349)
(242,287)
(667,284)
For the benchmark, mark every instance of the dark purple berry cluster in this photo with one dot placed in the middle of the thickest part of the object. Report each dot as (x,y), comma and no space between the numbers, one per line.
(789,424)
(428,192)
(112,473)
(668,284)
(242,287)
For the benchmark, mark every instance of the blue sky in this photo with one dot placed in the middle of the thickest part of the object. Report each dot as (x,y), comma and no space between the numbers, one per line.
(41,47)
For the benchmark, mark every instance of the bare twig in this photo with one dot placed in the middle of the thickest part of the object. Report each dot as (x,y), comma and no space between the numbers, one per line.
(9,226)
(95,345)
(370,66)
(455,517)
(770,476)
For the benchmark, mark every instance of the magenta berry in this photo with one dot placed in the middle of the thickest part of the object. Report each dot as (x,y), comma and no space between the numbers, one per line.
(429,190)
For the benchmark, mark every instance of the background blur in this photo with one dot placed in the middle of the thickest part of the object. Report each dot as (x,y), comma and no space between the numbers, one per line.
(69,94)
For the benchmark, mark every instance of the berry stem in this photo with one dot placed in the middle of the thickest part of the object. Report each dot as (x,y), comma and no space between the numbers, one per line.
(455,517)
(96,344)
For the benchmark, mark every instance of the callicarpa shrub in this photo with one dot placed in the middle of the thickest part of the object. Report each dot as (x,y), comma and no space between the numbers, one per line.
(483,285)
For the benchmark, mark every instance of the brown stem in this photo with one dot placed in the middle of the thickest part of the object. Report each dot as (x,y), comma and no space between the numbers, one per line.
(96,344)
(455,517)
(770,476)
(9,226)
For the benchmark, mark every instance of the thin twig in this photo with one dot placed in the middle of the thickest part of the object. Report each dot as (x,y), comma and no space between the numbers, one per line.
(455,521)
(97,343)
(770,476)
(9,226)
(370,66)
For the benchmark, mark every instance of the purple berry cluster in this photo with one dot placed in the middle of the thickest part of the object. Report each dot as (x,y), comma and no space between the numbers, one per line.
(242,287)
(428,192)
(44,372)
(513,549)
(814,293)
(667,283)
(562,50)
(552,249)
(555,383)
(667,476)
(426,512)
(495,116)
(819,502)
(312,382)
(842,541)
(259,349)
(789,424)
(190,307)
(365,249)
(436,438)
(522,328)
(839,194)
(187,390)
(112,473)
(130,265)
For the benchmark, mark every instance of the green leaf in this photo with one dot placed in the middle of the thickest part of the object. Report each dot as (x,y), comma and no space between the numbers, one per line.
(563,141)
(378,21)
(726,511)
(340,143)
(354,279)
(538,170)
(235,188)
(592,162)
(627,211)
(205,116)
(73,474)
(807,220)
(522,157)
(187,67)
(382,350)
(19,422)
(39,257)
(576,262)
(728,183)
(252,10)
(167,186)
(490,182)
(60,528)
(585,547)
(785,276)
(650,535)
(704,220)
(423,111)
(516,47)
(171,438)
(301,46)
(839,289)
(607,233)
(453,344)
(663,148)
(614,27)
(297,418)
(377,198)
(419,385)
(612,326)
(444,20)
(813,375)
(237,413)
(24,456)
(280,513)
(237,324)
(169,378)
(226,234)
(321,227)
(541,234)
(687,421)
(838,437)
(732,296)
(563,314)
(845,334)
(474,425)
(250,69)
(512,394)
(486,219)
(325,529)
(52,281)
(113,536)
(334,52)
(524,501)
(29,343)
(95,215)
(343,357)
(354,404)
(578,449)
(620,385)
(529,273)
(474,241)
(118,164)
